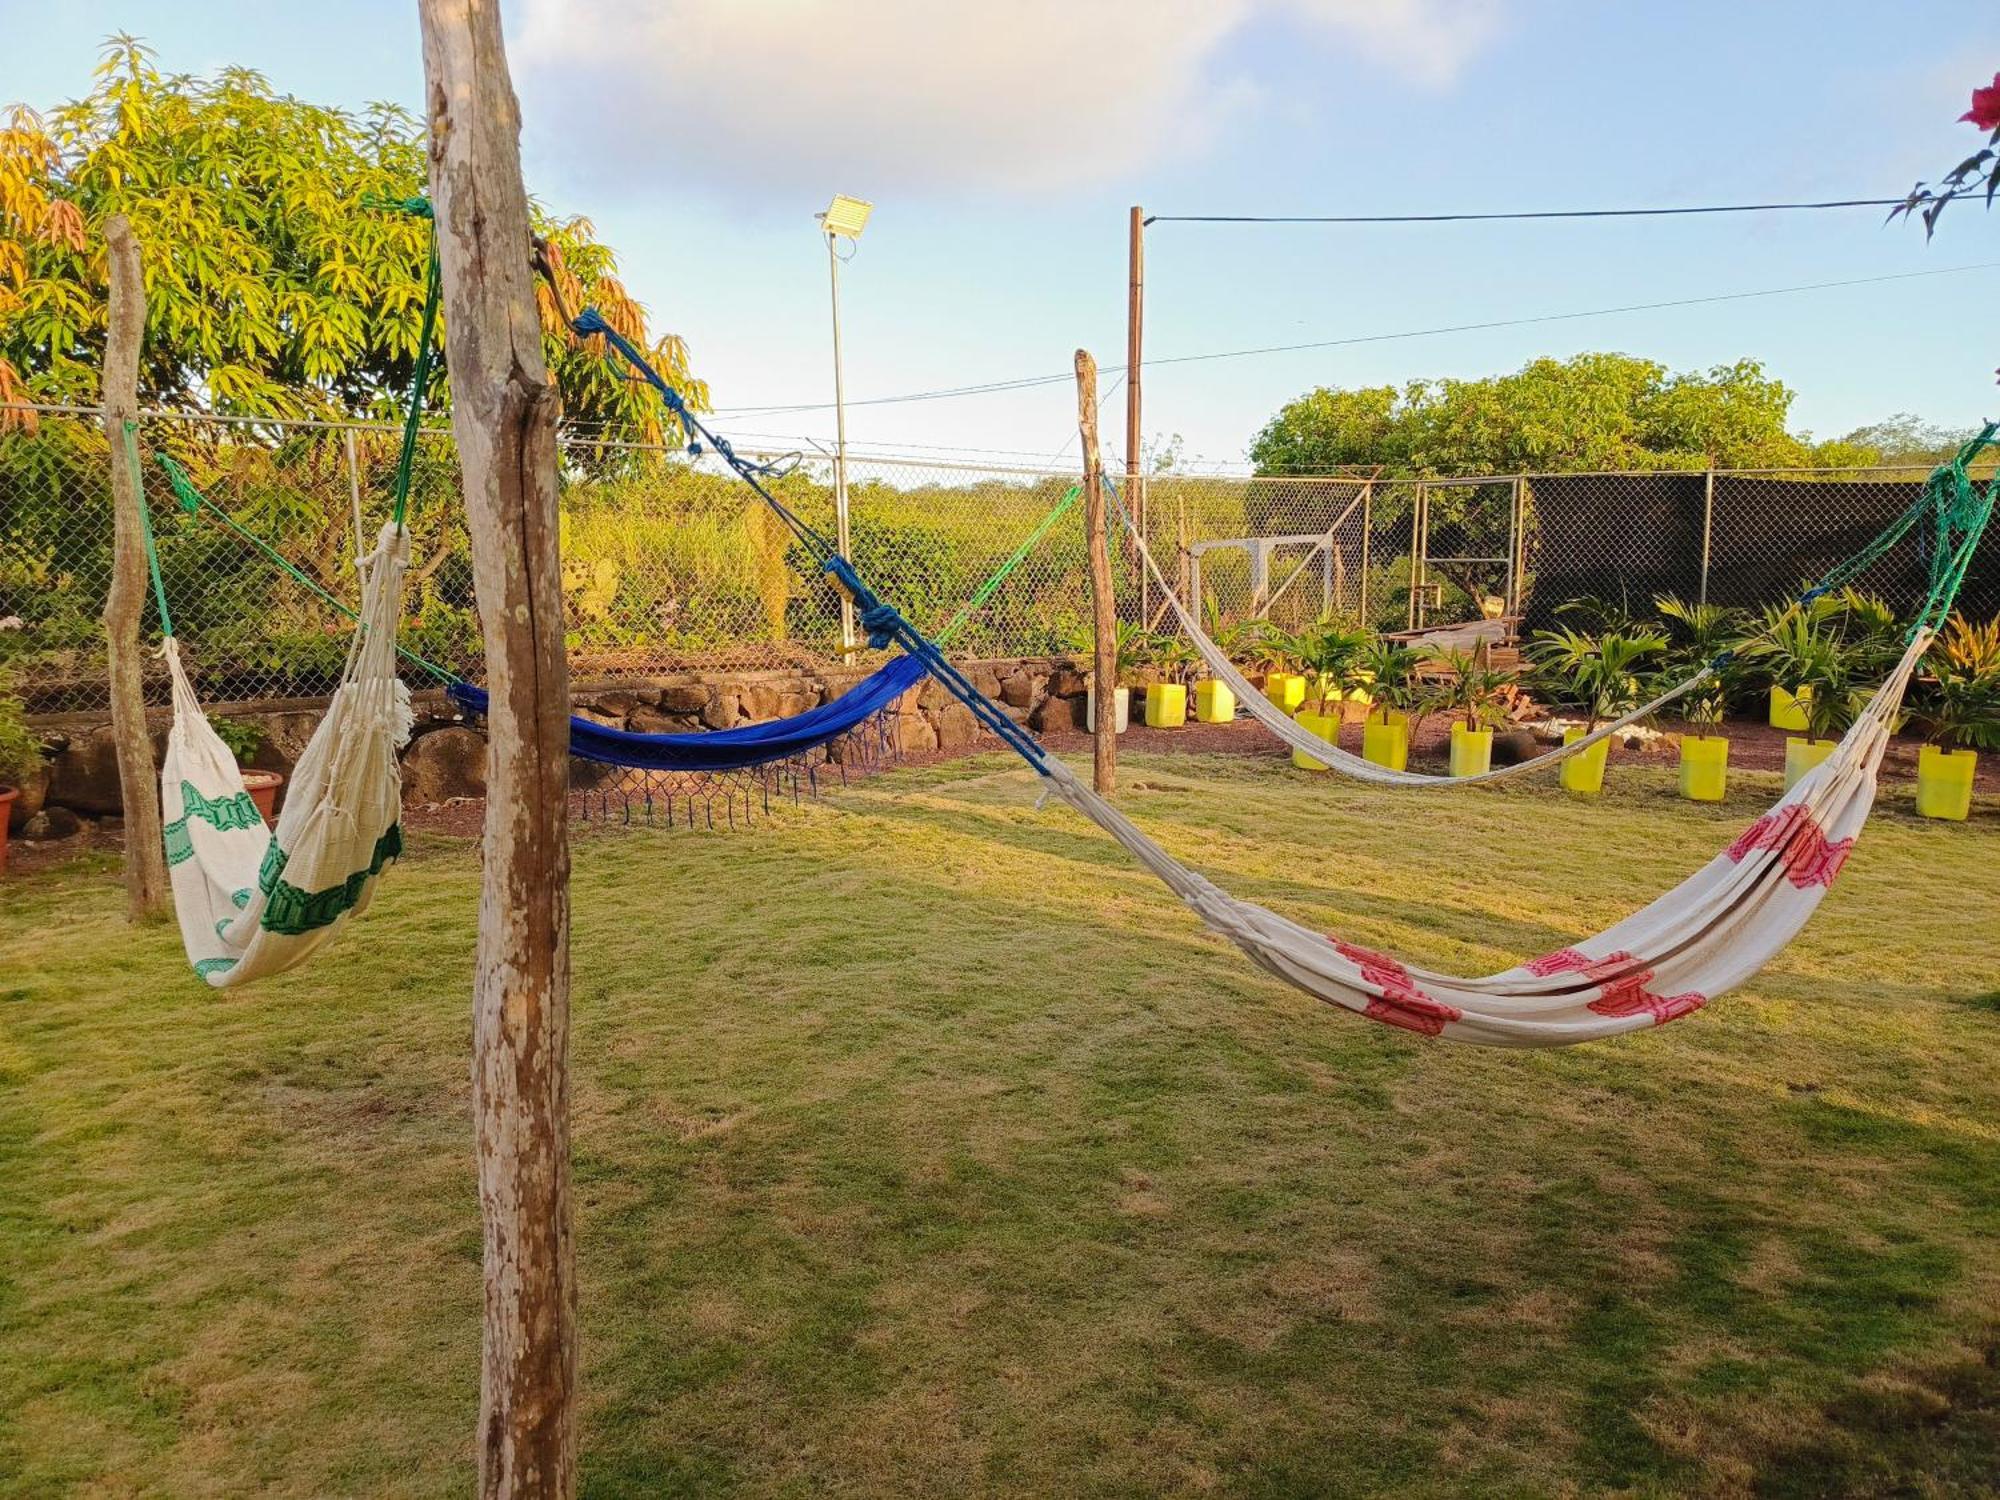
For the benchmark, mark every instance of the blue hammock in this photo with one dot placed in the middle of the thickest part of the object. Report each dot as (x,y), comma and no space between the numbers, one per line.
(730,749)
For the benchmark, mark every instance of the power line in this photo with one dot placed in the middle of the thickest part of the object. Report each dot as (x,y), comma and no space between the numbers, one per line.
(1546,213)
(1033,381)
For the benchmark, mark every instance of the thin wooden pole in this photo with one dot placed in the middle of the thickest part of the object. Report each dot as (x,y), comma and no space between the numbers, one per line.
(1135,344)
(124,607)
(1104,620)
(503,419)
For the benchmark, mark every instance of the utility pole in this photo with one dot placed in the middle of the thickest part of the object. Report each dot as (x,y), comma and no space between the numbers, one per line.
(138,780)
(1104,619)
(1135,340)
(839,448)
(503,419)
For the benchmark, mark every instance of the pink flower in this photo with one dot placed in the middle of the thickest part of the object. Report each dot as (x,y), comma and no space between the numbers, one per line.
(1985,111)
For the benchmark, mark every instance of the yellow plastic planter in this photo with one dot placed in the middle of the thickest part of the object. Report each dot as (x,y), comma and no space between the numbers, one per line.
(1326,726)
(1704,767)
(1214,703)
(1584,771)
(1385,739)
(1286,689)
(1166,705)
(1944,782)
(1471,751)
(1802,755)
(1788,710)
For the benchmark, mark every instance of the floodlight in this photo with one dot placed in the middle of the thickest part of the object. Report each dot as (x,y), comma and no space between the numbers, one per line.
(848,216)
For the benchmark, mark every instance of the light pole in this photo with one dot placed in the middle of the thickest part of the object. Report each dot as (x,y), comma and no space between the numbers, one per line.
(844,219)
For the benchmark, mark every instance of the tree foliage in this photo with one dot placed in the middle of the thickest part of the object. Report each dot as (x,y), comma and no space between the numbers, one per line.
(1591,412)
(275,285)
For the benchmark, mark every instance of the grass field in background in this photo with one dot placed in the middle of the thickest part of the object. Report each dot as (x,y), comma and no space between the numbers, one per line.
(924,1147)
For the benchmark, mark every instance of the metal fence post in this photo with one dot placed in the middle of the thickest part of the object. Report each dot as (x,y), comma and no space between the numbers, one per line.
(1707,529)
(1367,526)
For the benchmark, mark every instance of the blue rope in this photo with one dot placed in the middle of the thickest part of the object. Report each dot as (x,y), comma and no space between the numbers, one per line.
(883,622)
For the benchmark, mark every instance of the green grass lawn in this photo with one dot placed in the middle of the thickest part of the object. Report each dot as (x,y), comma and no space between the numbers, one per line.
(925,1147)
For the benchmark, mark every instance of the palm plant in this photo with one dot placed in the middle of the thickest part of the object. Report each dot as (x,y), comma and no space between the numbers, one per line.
(1597,673)
(1700,635)
(1328,651)
(1270,648)
(1132,649)
(1389,669)
(1474,692)
(1962,709)
(1176,657)
(1966,647)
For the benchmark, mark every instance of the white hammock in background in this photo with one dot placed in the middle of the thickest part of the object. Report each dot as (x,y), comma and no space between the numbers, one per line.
(254,902)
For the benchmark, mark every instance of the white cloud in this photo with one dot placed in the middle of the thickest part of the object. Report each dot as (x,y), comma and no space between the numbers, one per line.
(1028,94)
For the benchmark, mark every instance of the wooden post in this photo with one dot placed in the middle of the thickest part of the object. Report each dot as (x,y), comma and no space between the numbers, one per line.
(504,421)
(1104,620)
(125,606)
(1135,341)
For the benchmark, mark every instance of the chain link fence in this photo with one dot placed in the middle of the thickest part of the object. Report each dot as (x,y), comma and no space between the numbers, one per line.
(671,563)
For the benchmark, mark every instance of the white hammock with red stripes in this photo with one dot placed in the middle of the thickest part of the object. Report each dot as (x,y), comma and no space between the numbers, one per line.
(1709,934)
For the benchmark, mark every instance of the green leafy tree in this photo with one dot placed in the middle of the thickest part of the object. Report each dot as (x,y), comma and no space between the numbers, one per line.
(1592,412)
(275,286)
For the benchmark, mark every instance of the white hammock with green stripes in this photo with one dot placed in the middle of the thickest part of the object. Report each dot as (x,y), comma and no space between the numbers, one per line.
(253,901)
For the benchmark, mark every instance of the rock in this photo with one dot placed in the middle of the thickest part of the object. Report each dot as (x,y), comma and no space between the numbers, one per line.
(1018,690)
(30,795)
(597,715)
(654,721)
(1054,714)
(933,694)
(795,701)
(84,777)
(617,703)
(689,698)
(956,727)
(758,701)
(51,823)
(444,764)
(984,676)
(1512,746)
(1066,682)
(915,735)
(719,712)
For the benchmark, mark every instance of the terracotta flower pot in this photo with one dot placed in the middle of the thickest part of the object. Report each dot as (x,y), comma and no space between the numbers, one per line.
(263,789)
(7,796)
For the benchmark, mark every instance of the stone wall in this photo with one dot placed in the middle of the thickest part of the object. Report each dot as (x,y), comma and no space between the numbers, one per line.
(446,757)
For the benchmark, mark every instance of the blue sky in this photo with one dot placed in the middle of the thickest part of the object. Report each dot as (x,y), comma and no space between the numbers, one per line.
(1003,144)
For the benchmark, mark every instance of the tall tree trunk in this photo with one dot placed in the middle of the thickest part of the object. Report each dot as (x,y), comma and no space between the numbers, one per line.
(1103,617)
(503,417)
(124,607)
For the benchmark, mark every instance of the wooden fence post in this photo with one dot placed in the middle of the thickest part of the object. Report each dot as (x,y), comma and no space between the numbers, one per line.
(504,421)
(125,605)
(1104,736)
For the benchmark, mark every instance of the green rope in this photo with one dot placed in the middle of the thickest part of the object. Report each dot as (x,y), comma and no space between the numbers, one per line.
(987,589)
(419,383)
(146,525)
(193,501)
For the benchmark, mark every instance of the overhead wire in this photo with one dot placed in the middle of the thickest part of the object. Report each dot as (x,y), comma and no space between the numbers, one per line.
(1035,381)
